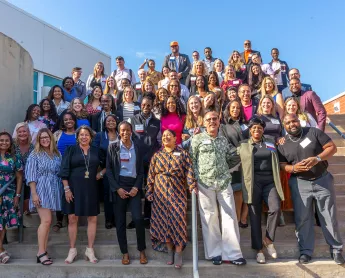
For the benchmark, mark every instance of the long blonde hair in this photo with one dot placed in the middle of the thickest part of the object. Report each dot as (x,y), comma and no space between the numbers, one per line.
(263,89)
(190,123)
(18,126)
(226,77)
(301,115)
(53,149)
(107,88)
(237,65)
(273,110)
(95,69)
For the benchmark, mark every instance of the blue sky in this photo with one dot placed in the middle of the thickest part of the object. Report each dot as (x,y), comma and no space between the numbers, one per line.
(310,34)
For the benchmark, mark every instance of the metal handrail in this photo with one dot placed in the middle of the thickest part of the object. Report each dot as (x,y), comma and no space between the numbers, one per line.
(328,120)
(195,237)
(3,189)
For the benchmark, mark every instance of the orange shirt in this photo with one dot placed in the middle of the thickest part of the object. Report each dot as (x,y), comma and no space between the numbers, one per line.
(246,55)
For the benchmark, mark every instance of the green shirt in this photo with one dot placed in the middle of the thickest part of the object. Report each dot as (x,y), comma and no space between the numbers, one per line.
(212,159)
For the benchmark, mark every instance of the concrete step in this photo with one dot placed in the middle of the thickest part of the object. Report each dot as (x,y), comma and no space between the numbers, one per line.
(158,269)
(108,250)
(337,139)
(340,151)
(337,160)
(329,129)
(30,234)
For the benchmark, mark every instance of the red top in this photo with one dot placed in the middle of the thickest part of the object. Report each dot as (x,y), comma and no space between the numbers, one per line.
(230,83)
(174,123)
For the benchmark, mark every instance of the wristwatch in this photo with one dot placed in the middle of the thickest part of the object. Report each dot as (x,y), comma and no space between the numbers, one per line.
(18,195)
(318,158)
(101,174)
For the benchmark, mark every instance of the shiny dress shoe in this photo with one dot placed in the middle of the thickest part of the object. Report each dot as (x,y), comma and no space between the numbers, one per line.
(143,259)
(304,259)
(131,225)
(338,258)
(125,259)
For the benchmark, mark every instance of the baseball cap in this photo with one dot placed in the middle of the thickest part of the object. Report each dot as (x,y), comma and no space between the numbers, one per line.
(174,43)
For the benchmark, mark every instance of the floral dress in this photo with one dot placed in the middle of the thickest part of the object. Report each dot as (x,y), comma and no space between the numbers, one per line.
(9,216)
(48,122)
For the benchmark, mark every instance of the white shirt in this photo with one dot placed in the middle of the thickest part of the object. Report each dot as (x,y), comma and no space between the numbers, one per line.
(120,74)
(266,68)
(277,77)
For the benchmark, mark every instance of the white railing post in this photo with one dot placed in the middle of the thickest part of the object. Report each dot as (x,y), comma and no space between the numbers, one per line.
(195,237)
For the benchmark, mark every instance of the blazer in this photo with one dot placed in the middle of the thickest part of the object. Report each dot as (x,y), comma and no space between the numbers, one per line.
(96,121)
(310,102)
(184,65)
(114,165)
(249,59)
(101,142)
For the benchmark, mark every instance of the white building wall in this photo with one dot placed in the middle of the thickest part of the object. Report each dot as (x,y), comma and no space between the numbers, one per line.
(53,52)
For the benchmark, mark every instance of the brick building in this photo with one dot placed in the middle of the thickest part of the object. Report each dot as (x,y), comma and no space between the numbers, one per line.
(335,105)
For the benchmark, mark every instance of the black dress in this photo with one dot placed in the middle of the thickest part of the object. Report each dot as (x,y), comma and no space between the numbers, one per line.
(85,190)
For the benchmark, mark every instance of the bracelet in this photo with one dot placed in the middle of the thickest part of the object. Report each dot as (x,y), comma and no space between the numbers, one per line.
(67,190)
(18,195)
(66,187)
(136,189)
(101,174)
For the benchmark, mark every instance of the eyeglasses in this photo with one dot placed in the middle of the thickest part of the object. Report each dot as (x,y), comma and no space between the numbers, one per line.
(44,137)
(213,119)
(173,85)
(247,43)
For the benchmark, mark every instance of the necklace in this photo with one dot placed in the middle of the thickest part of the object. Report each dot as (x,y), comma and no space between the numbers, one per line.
(260,144)
(297,139)
(87,173)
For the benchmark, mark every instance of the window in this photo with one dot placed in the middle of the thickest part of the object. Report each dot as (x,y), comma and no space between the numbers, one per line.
(49,81)
(35,75)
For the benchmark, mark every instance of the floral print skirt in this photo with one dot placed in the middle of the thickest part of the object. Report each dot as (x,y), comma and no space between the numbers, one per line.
(9,215)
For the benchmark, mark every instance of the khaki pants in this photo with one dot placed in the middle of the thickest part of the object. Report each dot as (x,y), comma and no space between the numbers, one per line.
(220,239)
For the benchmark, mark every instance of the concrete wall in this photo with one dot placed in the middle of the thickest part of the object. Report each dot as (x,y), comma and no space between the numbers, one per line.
(54,52)
(16,82)
(335,105)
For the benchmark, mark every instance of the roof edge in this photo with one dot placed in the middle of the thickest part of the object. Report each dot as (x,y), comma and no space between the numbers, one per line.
(334,98)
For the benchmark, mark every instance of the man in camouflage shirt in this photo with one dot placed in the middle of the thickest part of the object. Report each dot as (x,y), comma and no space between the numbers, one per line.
(213,158)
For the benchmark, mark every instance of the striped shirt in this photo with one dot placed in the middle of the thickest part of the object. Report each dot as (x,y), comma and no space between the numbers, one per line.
(43,170)
(128,110)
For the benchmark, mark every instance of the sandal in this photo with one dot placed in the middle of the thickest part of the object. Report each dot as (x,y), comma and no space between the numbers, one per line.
(171,255)
(72,253)
(178,260)
(57,226)
(4,257)
(242,225)
(45,262)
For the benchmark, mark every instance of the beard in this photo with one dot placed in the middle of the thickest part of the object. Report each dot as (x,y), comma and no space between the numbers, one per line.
(295,132)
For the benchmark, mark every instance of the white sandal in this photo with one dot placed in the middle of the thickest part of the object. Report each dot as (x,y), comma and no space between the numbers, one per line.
(260,258)
(4,257)
(90,255)
(72,253)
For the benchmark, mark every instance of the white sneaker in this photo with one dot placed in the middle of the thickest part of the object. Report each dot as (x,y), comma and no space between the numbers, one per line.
(271,250)
(260,258)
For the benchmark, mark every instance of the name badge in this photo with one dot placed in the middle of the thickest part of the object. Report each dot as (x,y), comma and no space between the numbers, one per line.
(176,153)
(136,108)
(243,67)
(139,128)
(172,58)
(244,127)
(138,86)
(124,156)
(103,79)
(305,142)
(250,55)
(99,108)
(193,78)
(206,142)
(236,82)
(275,122)
(270,146)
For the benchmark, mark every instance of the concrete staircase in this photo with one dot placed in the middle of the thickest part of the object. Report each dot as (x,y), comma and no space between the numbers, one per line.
(23,262)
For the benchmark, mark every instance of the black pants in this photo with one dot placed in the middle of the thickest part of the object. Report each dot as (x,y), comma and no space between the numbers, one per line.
(120,211)
(147,204)
(268,193)
(108,206)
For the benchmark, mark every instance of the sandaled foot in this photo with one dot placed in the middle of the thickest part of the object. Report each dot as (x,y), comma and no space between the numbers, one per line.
(72,253)
(4,257)
(57,226)
(43,259)
(178,260)
(90,255)
(171,255)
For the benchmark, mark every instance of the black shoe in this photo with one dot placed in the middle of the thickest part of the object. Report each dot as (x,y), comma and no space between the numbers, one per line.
(242,225)
(108,225)
(338,258)
(217,260)
(147,224)
(304,259)
(131,225)
(240,261)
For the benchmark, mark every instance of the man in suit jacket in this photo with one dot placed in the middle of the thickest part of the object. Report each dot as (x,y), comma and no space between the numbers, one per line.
(248,52)
(295,73)
(310,102)
(178,62)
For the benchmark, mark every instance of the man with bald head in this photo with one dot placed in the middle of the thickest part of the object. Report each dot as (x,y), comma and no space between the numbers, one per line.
(304,154)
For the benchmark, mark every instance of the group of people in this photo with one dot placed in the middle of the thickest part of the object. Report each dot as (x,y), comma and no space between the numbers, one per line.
(236,135)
